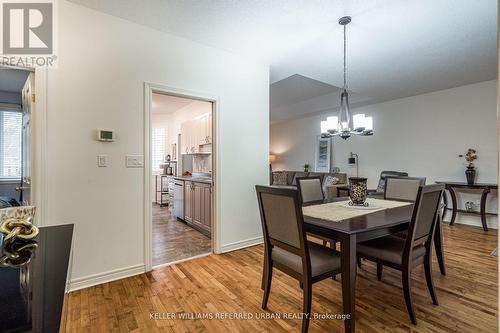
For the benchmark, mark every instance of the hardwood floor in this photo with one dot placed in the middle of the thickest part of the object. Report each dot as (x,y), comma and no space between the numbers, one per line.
(174,240)
(230,283)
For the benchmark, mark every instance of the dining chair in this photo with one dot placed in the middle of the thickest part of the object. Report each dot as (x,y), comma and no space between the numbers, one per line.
(286,247)
(402,188)
(311,192)
(381,182)
(405,189)
(405,253)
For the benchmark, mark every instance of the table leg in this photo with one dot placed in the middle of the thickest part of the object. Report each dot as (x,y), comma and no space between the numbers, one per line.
(454,203)
(445,202)
(484,195)
(348,263)
(438,245)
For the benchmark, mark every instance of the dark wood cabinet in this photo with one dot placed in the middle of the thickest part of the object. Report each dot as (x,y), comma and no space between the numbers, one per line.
(198,206)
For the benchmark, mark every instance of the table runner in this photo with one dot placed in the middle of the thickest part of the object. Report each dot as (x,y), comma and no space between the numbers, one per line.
(337,211)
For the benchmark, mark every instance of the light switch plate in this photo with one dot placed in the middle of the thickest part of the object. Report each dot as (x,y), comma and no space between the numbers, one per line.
(134,161)
(102,161)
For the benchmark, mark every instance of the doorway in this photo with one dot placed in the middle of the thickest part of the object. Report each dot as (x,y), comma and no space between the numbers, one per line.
(17,101)
(180,173)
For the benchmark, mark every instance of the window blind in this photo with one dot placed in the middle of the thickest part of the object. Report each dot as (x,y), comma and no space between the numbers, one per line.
(158,149)
(10,144)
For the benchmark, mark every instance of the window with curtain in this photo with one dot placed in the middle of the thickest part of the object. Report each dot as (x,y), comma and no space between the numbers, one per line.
(10,144)
(158,149)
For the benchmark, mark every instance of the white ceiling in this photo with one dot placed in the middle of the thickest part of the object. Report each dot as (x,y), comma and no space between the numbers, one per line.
(12,80)
(395,48)
(166,104)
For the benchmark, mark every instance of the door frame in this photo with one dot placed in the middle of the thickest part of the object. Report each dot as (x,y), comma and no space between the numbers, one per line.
(38,144)
(149,89)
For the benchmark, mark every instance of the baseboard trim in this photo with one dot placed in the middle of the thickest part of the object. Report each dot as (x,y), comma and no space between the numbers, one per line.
(241,244)
(100,278)
(475,221)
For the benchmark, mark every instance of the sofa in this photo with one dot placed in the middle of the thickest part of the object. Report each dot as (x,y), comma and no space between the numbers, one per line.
(330,191)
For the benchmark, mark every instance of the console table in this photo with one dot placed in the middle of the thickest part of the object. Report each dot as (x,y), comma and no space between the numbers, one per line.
(450,186)
(33,281)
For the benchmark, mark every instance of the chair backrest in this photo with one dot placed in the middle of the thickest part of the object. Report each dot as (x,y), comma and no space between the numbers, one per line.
(384,174)
(424,215)
(310,189)
(402,188)
(282,219)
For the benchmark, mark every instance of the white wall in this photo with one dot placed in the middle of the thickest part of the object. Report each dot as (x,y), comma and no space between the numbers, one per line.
(99,83)
(422,135)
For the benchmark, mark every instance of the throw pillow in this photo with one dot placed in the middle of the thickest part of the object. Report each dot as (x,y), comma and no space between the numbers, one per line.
(280,178)
(329,181)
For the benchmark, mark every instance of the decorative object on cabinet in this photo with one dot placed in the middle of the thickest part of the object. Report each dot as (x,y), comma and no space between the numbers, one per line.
(357,191)
(470,173)
(306,167)
(17,253)
(17,223)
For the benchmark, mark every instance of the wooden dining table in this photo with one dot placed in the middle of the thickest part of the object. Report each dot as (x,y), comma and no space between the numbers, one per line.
(351,231)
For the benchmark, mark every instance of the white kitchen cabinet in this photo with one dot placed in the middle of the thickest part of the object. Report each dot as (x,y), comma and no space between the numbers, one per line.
(196,133)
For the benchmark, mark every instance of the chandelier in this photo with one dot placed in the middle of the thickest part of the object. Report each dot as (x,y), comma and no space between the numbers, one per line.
(343,125)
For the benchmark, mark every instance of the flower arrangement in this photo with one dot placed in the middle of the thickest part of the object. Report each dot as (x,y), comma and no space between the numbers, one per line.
(306,167)
(471,156)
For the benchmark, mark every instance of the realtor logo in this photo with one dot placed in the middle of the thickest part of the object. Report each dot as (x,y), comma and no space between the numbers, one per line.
(27,28)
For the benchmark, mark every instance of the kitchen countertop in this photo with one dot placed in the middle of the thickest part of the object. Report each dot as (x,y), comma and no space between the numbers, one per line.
(205,180)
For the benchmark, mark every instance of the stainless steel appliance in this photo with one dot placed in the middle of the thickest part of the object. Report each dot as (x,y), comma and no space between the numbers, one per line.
(178,210)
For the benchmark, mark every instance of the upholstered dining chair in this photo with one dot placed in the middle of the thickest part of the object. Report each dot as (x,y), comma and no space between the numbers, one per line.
(402,188)
(381,182)
(403,254)
(311,192)
(286,247)
(405,189)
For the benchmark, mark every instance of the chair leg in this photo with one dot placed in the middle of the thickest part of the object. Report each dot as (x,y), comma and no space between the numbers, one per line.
(325,243)
(428,278)
(333,245)
(307,305)
(267,287)
(264,274)
(407,294)
(380,267)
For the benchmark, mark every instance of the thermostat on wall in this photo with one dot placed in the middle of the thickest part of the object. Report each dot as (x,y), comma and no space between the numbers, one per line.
(105,135)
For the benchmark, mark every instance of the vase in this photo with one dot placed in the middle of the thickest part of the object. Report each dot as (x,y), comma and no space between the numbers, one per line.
(357,191)
(470,174)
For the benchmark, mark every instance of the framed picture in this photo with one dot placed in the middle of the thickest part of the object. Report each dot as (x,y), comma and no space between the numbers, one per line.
(323,151)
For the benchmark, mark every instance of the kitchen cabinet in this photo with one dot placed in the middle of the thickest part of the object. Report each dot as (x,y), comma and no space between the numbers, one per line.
(198,206)
(196,133)
(205,129)
(188,201)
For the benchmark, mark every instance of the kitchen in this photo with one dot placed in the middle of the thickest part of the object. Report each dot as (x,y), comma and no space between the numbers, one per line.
(182,143)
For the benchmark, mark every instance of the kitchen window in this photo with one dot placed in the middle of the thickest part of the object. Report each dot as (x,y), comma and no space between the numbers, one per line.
(158,149)
(10,144)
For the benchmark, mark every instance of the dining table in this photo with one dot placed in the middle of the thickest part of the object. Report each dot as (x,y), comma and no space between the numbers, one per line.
(349,232)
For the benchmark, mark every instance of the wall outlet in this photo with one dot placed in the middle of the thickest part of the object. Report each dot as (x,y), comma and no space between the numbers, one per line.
(102,161)
(134,161)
